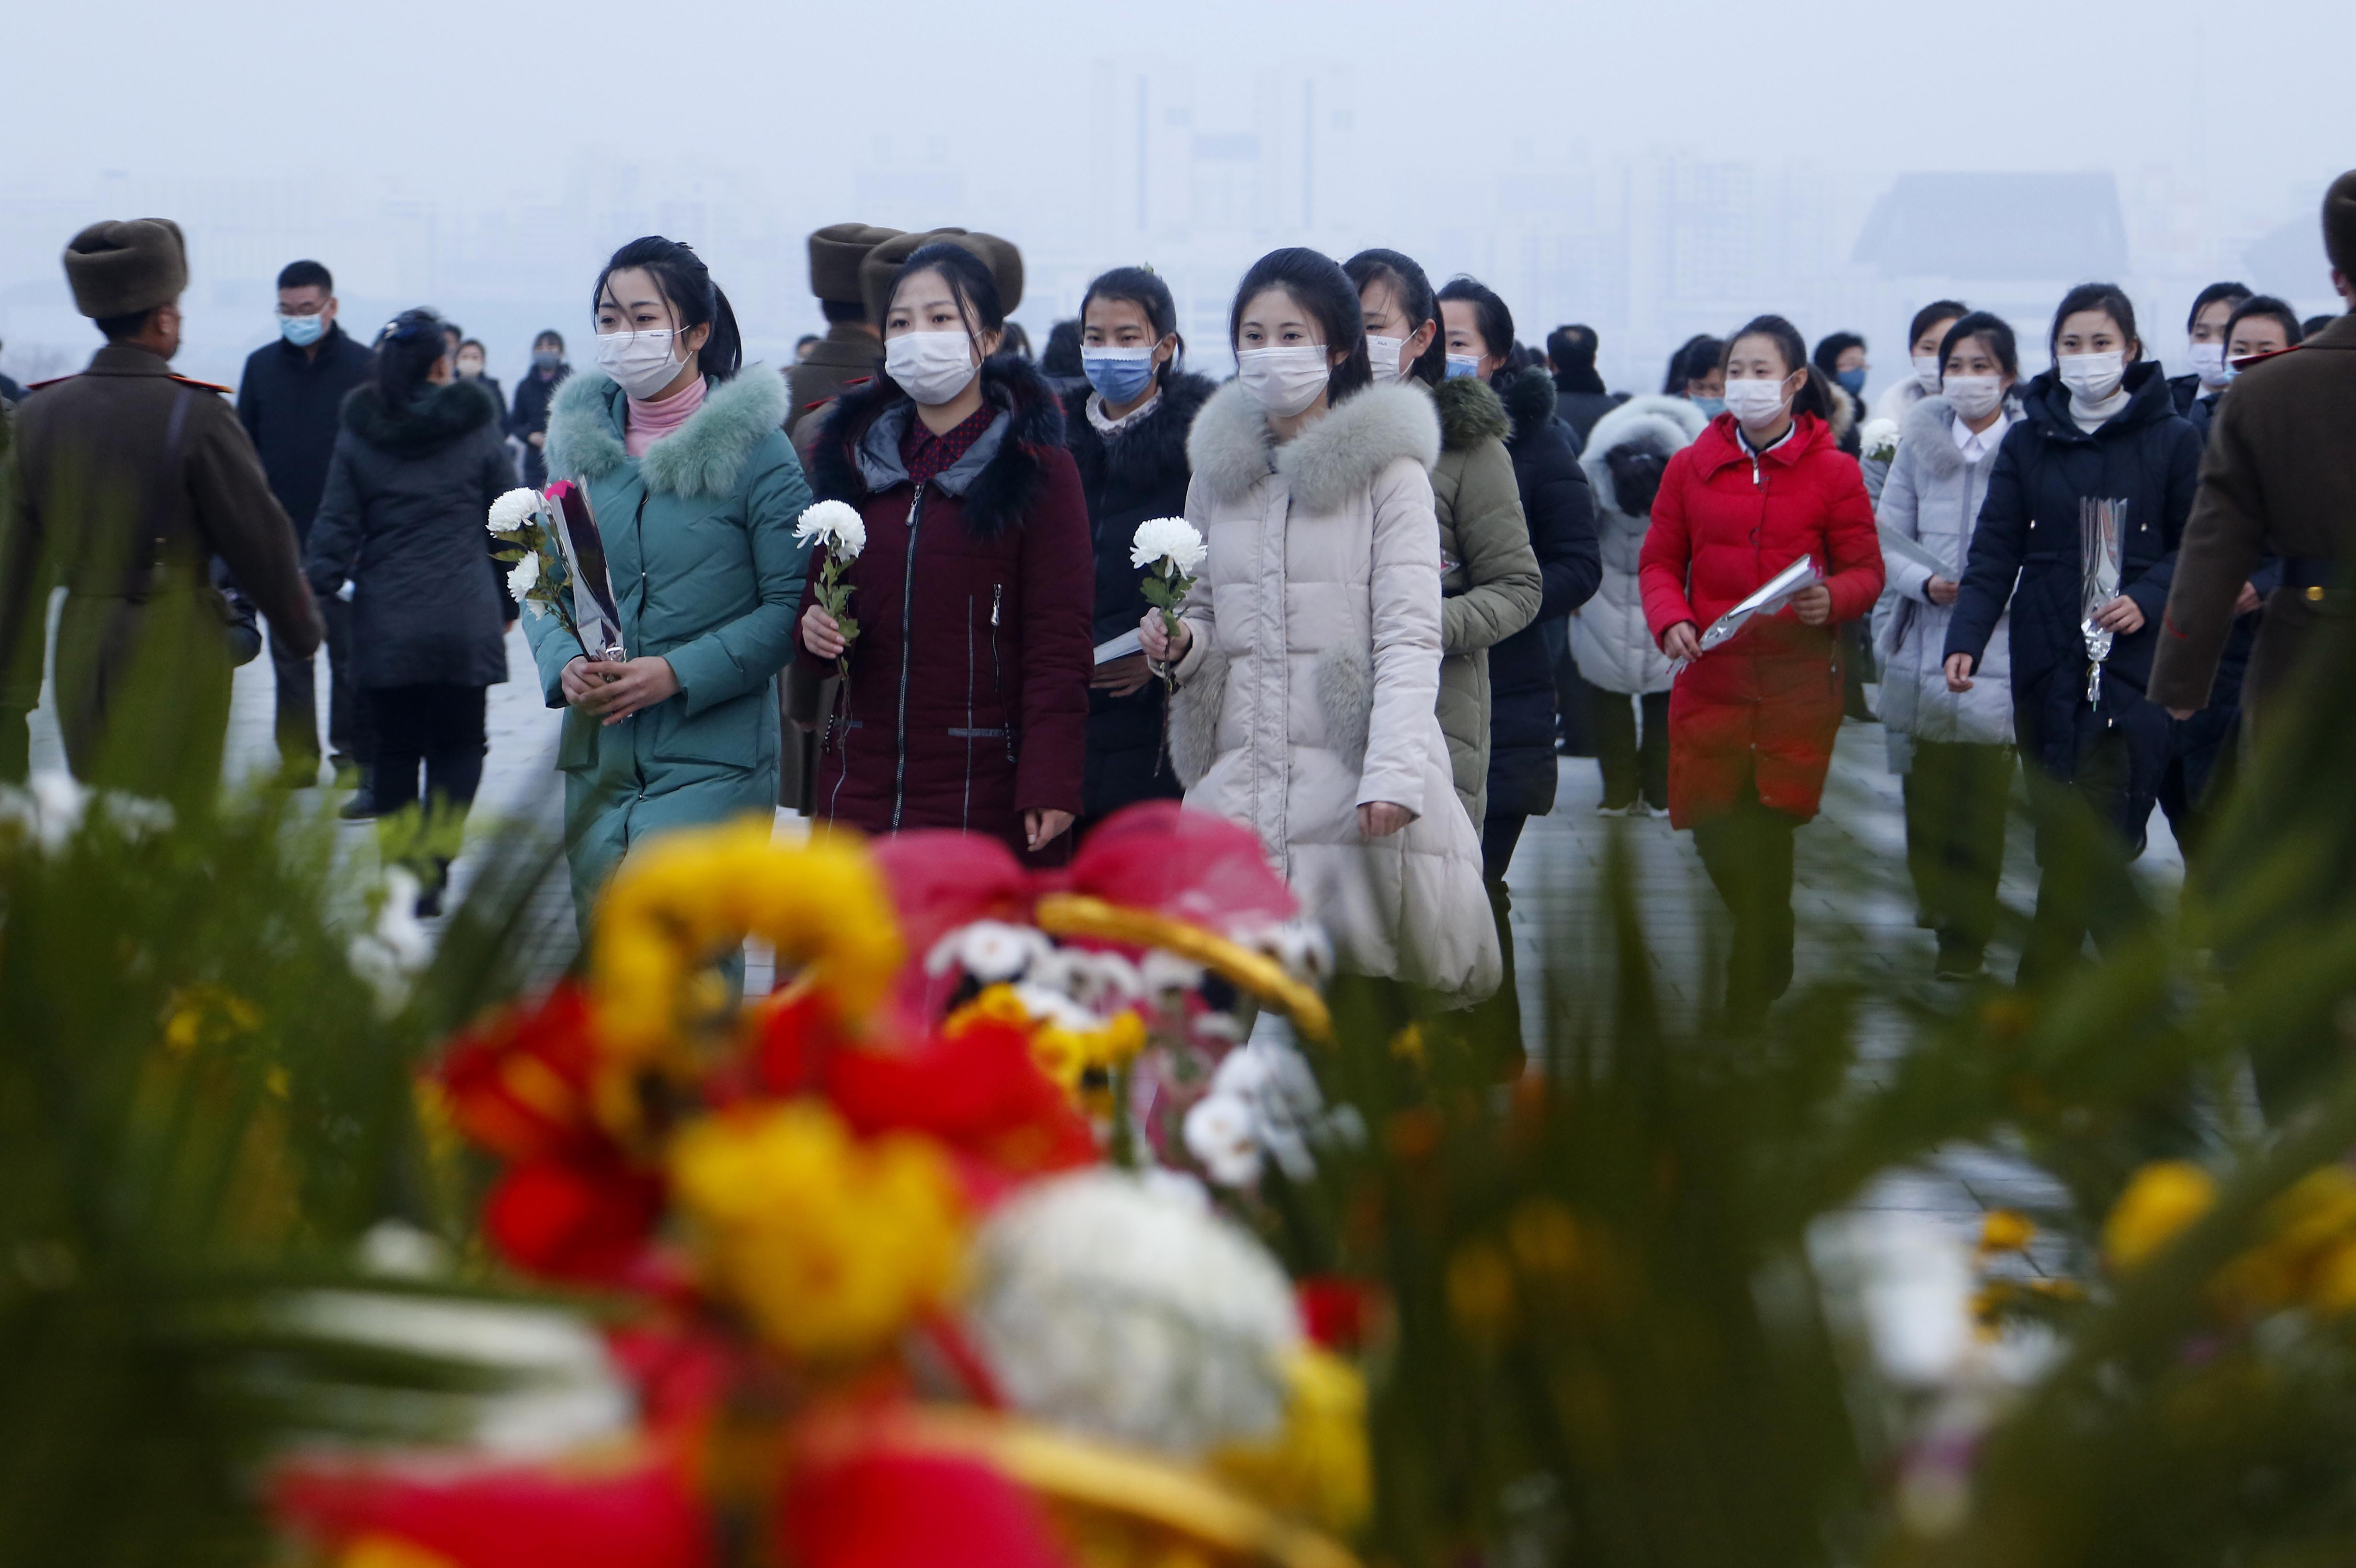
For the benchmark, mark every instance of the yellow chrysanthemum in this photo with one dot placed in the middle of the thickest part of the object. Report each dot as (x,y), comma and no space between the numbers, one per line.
(207,1015)
(1480,1292)
(2005,1231)
(390,1551)
(1317,1467)
(830,1246)
(1066,1054)
(2160,1201)
(685,899)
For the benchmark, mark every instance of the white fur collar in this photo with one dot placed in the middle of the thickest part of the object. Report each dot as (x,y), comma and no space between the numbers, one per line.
(1326,463)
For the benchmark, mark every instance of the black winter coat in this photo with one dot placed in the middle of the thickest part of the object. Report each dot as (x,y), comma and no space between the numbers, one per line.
(292,405)
(2029,533)
(1580,406)
(403,517)
(529,418)
(1141,473)
(1560,508)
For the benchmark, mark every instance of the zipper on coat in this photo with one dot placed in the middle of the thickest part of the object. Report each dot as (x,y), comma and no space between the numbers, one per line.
(907,635)
(996,673)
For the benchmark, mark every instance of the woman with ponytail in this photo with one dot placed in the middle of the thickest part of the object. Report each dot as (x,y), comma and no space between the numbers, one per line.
(1752,723)
(696,493)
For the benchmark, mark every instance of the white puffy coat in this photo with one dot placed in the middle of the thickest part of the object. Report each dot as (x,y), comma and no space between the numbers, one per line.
(1609,639)
(1933,496)
(1309,688)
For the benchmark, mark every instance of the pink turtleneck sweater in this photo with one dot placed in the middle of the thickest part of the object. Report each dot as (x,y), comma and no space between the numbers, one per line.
(650,421)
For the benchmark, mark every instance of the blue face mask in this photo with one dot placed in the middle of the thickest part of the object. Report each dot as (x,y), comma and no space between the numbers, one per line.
(1710,406)
(1463,364)
(1121,375)
(302,331)
(1851,381)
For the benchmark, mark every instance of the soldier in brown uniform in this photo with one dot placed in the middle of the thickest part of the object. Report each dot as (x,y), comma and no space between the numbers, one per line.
(854,343)
(128,481)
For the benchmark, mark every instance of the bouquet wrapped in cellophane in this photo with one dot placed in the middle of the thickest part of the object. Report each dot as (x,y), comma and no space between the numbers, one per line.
(557,564)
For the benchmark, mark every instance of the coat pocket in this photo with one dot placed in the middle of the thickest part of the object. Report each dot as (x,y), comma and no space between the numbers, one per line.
(727,734)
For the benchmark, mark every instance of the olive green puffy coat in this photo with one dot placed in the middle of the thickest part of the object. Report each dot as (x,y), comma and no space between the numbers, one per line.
(1489,575)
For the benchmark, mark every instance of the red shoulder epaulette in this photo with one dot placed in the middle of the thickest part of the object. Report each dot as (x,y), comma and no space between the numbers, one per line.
(206,386)
(52,381)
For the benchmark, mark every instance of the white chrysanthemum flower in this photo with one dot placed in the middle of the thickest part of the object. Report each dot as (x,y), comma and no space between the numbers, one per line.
(522,575)
(1104,983)
(1120,1308)
(1275,1087)
(989,950)
(1162,972)
(1052,1006)
(1223,1133)
(1173,539)
(835,523)
(512,512)
(1299,944)
(1878,439)
(391,951)
(49,809)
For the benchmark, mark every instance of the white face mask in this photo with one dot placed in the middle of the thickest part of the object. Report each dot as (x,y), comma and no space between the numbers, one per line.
(1926,372)
(641,363)
(2208,364)
(2092,376)
(931,366)
(1755,402)
(1284,381)
(1383,356)
(1975,397)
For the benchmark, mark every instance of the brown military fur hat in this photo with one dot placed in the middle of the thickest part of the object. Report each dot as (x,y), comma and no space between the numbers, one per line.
(126,265)
(835,254)
(881,270)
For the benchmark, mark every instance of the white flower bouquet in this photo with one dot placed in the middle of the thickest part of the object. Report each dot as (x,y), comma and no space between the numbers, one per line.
(1878,441)
(539,573)
(837,526)
(1168,550)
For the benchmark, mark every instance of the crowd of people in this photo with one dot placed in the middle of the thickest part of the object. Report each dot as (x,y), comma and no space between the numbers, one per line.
(1433,557)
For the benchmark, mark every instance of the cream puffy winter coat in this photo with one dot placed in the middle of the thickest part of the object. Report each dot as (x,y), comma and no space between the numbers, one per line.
(1932,496)
(1609,640)
(1309,687)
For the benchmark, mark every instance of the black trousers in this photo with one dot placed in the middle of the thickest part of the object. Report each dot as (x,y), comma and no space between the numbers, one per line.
(1495,1024)
(1630,765)
(437,730)
(1747,854)
(2089,829)
(2202,753)
(1956,802)
(298,698)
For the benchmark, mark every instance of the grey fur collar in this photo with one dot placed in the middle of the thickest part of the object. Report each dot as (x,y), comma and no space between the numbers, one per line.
(1930,425)
(701,459)
(1326,463)
(1654,423)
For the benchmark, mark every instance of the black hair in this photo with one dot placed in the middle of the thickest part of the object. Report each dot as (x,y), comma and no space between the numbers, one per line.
(837,312)
(1142,287)
(1016,341)
(2237,293)
(307,275)
(549,335)
(2313,325)
(2108,298)
(2339,224)
(467,343)
(805,340)
(1814,396)
(695,299)
(115,329)
(2272,309)
(1635,478)
(1831,346)
(405,351)
(1062,354)
(1488,309)
(1572,345)
(1692,360)
(1931,315)
(1418,302)
(452,329)
(1993,330)
(972,286)
(1317,282)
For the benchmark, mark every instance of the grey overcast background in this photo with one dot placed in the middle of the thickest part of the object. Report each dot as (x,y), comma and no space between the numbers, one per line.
(1654,170)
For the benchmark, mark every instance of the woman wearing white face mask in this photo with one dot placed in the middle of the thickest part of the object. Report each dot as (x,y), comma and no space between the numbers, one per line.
(1952,749)
(1924,337)
(2099,426)
(967,706)
(1308,652)
(696,493)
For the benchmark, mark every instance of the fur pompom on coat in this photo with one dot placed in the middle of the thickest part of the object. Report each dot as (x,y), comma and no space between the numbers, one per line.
(1309,685)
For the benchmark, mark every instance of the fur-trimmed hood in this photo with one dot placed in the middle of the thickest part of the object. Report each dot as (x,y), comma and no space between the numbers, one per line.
(1527,396)
(1931,422)
(702,458)
(1153,448)
(1000,479)
(1652,423)
(1846,413)
(439,416)
(1231,449)
(1470,412)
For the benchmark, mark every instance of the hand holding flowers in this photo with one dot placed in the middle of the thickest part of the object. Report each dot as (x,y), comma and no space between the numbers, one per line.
(1168,551)
(827,629)
(538,579)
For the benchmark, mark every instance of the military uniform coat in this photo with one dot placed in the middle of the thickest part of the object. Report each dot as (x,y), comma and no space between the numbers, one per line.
(129,480)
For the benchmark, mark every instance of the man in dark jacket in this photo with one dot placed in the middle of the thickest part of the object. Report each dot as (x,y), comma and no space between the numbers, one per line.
(289,400)
(528,422)
(128,481)
(1579,397)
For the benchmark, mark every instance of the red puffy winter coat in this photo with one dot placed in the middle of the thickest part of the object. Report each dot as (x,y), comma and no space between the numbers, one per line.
(1766,706)
(969,694)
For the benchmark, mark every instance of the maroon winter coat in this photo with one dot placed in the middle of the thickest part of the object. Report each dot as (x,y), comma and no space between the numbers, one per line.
(967,702)
(1767,704)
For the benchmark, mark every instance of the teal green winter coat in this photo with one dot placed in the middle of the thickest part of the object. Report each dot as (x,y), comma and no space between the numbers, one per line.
(706,571)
